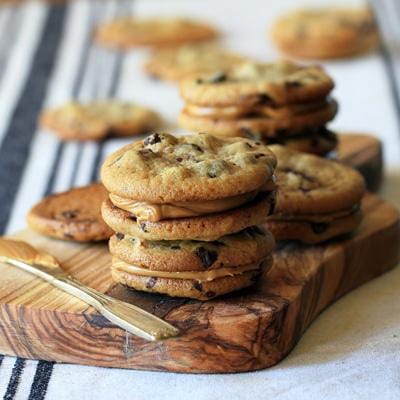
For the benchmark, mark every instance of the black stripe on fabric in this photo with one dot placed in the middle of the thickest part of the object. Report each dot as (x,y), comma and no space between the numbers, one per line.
(75,90)
(15,148)
(15,378)
(41,380)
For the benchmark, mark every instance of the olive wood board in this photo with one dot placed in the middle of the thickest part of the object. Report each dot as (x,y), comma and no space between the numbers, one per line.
(364,153)
(248,330)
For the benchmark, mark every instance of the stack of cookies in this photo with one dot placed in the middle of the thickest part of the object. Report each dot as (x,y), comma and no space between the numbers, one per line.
(187,213)
(282,103)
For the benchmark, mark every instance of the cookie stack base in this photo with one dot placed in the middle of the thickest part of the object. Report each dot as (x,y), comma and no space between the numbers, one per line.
(191,288)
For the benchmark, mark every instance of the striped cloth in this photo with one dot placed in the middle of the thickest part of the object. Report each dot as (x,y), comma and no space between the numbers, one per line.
(47,56)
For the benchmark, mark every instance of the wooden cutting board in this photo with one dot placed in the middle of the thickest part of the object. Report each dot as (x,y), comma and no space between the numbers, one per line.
(249,330)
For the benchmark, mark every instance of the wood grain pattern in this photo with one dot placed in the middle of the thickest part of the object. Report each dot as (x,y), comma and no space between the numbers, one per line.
(250,330)
(365,154)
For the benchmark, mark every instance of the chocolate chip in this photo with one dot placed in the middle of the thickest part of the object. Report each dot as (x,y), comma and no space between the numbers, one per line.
(290,84)
(175,247)
(259,155)
(210,294)
(179,159)
(272,203)
(197,147)
(152,139)
(119,236)
(151,283)
(207,257)
(254,231)
(216,78)
(319,227)
(68,236)
(143,227)
(70,214)
(263,98)
(198,286)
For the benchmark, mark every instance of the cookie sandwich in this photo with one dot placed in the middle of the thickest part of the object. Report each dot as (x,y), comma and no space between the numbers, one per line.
(187,212)
(281,103)
(316,199)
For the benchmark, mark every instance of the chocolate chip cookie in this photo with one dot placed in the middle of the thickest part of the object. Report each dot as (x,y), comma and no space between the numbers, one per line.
(72,215)
(196,285)
(156,32)
(190,60)
(164,168)
(255,84)
(245,247)
(97,120)
(316,199)
(326,33)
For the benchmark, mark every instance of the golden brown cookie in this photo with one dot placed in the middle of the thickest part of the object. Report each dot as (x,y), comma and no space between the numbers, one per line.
(267,126)
(326,33)
(314,232)
(157,32)
(190,59)
(167,169)
(319,142)
(196,285)
(245,247)
(72,215)
(97,120)
(316,198)
(206,228)
(254,84)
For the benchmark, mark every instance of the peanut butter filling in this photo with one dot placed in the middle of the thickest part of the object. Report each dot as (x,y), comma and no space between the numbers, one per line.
(144,211)
(200,276)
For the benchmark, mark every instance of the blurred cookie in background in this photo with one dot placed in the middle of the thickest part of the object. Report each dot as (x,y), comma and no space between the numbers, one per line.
(130,32)
(99,119)
(326,33)
(190,59)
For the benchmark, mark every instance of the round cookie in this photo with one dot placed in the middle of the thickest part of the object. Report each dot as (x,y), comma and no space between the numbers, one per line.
(190,59)
(165,169)
(314,232)
(245,247)
(267,126)
(206,228)
(189,287)
(97,120)
(310,185)
(72,215)
(157,32)
(320,142)
(251,84)
(326,33)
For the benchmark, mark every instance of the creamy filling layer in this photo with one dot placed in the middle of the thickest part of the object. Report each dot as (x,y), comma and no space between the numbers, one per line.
(200,276)
(260,110)
(144,211)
